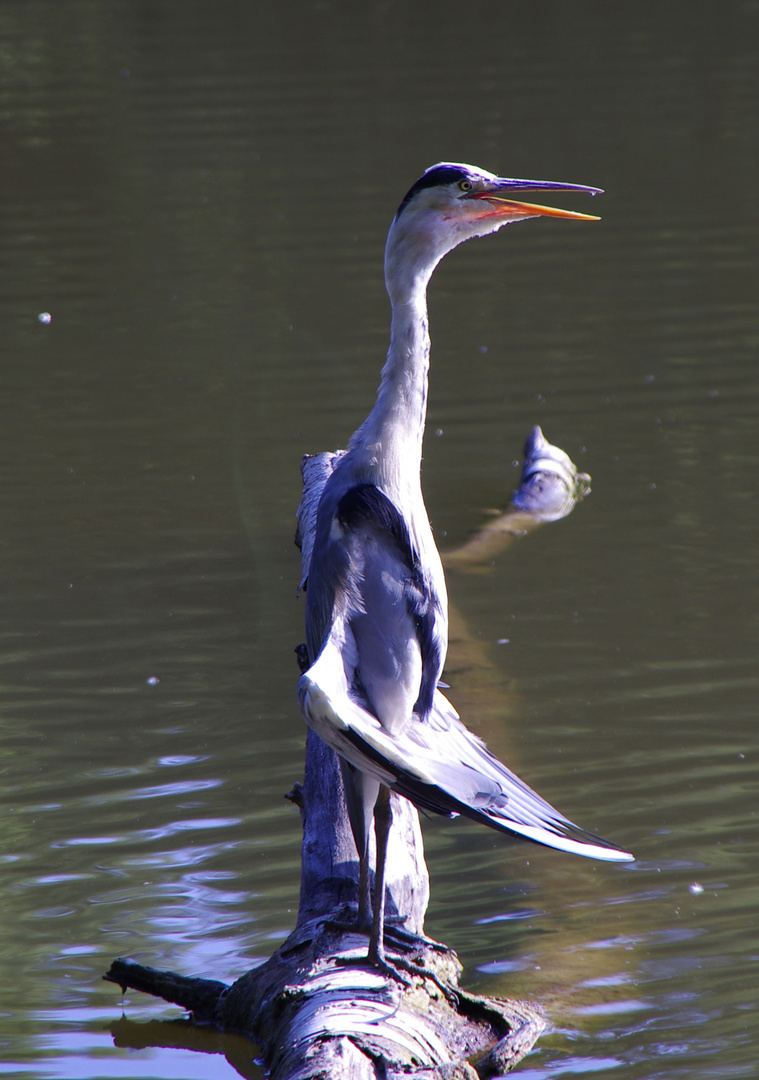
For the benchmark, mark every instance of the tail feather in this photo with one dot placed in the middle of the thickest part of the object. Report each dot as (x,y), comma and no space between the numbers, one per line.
(437,763)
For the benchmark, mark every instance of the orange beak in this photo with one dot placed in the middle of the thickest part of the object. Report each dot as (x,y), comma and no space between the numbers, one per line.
(499,206)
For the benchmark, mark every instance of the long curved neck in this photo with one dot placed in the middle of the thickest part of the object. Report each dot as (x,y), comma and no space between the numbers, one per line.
(390,439)
(391,436)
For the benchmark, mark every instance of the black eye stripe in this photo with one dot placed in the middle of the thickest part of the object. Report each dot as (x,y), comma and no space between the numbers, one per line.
(441,174)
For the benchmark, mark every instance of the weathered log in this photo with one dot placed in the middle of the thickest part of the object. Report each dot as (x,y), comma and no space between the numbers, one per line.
(315,1008)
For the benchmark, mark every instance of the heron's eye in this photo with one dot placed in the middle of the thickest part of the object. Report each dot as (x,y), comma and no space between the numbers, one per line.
(465,185)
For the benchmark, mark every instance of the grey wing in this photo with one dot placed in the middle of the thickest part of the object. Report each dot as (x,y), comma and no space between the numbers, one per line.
(452,771)
(439,765)
(367,589)
(372,615)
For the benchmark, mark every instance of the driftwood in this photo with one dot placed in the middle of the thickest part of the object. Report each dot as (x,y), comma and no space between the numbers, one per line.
(315,1008)
(549,489)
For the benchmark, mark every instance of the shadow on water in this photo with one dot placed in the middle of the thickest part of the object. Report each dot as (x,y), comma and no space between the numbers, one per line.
(182,1035)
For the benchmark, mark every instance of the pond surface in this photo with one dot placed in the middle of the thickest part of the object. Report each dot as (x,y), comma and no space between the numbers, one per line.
(197,196)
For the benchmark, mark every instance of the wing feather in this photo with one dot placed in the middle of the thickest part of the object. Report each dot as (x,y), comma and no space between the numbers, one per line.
(377,635)
(365,572)
(439,765)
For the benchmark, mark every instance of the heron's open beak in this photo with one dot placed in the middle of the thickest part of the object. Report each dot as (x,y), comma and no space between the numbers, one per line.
(500,205)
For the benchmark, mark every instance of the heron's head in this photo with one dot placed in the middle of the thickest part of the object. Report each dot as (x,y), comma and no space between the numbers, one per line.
(451,203)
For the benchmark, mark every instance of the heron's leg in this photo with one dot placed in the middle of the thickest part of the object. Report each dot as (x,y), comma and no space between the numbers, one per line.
(364,892)
(360,796)
(383,820)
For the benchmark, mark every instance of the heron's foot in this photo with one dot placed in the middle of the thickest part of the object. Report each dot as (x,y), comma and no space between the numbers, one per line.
(393,968)
(410,939)
(389,969)
(397,968)
(393,930)
(424,973)
(353,923)
(382,966)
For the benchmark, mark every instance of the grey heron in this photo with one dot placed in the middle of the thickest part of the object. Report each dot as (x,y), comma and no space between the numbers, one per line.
(376,602)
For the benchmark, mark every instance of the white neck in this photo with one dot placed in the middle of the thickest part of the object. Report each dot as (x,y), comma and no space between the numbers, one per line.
(389,442)
(391,436)
(387,448)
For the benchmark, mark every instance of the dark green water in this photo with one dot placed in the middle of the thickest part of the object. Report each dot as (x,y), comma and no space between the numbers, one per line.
(198,195)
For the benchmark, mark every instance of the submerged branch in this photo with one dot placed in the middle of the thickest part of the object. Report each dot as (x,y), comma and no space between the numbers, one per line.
(549,489)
